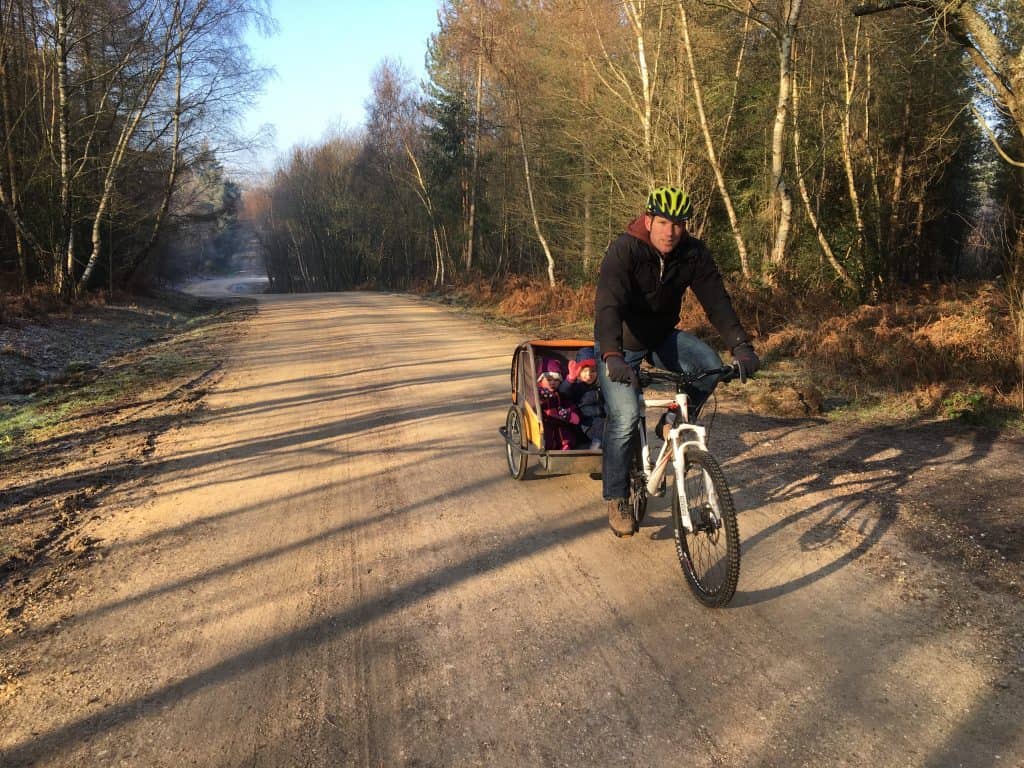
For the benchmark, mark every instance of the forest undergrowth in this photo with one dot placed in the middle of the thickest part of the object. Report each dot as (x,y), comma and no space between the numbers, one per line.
(931,352)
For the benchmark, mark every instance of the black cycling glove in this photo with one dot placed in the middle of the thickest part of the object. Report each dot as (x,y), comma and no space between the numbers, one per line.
(619,370)
(745,355)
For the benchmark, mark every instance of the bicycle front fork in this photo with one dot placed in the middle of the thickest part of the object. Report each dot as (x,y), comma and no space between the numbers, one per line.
(655,470)
(672,454)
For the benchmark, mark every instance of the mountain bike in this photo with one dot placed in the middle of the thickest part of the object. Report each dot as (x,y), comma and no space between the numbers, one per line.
(706,534)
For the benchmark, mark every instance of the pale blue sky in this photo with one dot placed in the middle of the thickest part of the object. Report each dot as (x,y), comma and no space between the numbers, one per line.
(324,54)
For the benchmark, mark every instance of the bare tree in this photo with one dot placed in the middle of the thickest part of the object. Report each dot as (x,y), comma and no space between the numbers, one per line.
(782,204)
(709,144)
(977,27)
(63,266)
(634,87)
(849,63)
(164,22)
(105,95)
(823,242)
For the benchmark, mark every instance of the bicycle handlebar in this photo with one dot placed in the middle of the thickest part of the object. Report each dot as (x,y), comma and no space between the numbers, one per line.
(727,372)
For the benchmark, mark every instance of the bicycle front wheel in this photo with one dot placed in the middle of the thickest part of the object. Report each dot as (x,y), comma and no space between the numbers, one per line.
(710,553)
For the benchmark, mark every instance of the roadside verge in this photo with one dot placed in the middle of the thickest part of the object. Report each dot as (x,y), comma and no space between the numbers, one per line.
(83,398)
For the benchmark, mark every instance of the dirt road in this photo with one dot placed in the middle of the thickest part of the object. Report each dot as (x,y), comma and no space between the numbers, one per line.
(331,567)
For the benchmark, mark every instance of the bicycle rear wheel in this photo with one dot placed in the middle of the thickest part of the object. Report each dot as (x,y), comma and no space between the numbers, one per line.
(637,484)
(710,553)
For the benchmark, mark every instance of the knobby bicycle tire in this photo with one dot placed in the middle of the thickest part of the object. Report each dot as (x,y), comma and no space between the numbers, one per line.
(637,484)
(710,555)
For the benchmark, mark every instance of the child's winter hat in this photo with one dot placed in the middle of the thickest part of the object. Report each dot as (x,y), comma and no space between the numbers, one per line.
(549,367)
(576,367)
(584,358)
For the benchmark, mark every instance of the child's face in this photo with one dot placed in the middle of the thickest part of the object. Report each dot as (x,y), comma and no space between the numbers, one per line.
(588,375)
(549,381)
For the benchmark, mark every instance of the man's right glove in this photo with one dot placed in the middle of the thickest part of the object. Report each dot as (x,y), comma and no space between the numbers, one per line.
(619,370)
(744,354)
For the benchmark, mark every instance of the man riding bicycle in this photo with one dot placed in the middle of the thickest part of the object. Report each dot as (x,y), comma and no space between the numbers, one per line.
(643,278)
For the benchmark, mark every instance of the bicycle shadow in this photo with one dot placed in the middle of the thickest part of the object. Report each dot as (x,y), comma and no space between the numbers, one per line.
(808,512)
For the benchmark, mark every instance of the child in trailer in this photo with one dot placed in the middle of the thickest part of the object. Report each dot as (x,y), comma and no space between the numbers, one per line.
(560,415)
(581,387)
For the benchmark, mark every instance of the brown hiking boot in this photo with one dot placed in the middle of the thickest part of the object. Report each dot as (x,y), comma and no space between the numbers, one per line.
(619,517)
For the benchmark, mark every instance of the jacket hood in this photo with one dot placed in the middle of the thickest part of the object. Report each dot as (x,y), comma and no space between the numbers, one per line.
(637,229)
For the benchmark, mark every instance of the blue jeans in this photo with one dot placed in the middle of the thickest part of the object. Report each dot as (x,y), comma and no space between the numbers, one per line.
(681,353)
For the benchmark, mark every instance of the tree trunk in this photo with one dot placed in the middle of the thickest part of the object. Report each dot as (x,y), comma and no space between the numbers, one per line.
(1015,291)
(872,152)
(635,13)
(849,85)
(588,223)
(710,146)
(624,89)
(63,257)
(896,197)
(9,192)
(475,172)
(736,81)
(826,247)
(424,196)
(782,203)
(529,192)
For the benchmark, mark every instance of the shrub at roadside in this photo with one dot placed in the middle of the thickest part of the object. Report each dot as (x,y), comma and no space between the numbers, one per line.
(945,350)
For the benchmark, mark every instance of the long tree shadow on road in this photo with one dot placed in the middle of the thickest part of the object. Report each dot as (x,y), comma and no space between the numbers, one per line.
(329,628)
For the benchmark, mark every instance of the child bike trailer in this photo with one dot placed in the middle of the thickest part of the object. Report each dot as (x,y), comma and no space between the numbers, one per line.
(528,432)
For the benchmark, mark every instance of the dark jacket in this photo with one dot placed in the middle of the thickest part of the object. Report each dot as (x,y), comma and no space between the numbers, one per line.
(639,296)
(587,397)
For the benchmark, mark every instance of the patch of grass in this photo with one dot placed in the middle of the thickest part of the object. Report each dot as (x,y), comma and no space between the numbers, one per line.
(874,408)
(966,406)
(979,409)
(16,421)
(150,372)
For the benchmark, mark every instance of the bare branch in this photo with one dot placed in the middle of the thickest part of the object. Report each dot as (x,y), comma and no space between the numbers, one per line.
(867,9)
(994,139)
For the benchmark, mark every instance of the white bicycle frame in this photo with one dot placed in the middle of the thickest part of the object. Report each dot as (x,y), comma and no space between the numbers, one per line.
(681,436)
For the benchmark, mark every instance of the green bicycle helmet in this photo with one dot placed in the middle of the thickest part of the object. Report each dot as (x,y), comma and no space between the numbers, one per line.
(671,203)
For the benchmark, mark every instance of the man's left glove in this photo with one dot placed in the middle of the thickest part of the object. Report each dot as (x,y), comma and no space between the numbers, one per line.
(744,354)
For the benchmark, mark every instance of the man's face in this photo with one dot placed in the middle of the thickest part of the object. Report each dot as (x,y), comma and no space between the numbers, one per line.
(665,234)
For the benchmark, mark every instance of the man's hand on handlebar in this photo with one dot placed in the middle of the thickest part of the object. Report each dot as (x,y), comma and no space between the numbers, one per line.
(619,370)
(747,360)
